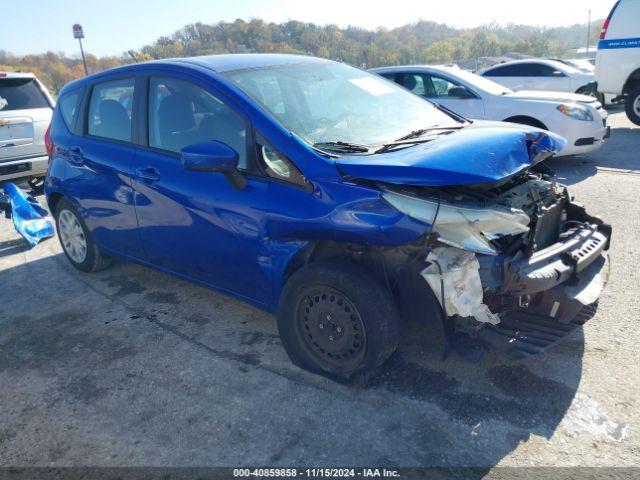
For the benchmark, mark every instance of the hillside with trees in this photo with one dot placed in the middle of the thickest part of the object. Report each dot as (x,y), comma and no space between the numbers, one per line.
(421,42)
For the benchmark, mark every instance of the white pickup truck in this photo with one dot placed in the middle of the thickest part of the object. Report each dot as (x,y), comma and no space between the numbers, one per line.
(618,56)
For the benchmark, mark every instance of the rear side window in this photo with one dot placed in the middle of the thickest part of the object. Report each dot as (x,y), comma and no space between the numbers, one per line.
(506,71)
(21,94)
(110,110)
(537,70)
(413,82)
(69,106)
(181,114)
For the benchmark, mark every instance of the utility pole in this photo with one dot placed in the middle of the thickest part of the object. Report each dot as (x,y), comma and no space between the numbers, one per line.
(79,34)
(589,33)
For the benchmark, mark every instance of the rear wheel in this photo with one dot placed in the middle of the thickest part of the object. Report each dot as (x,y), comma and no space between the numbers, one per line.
(76,240)
(336,319)
(632,106)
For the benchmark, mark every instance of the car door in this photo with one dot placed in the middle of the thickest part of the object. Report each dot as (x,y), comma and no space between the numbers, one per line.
(98,175)
(196,223)
(540,76)
(508,75)
(445,91)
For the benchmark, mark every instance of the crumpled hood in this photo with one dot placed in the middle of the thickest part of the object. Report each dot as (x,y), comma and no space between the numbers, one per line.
(551,96)
(483,152)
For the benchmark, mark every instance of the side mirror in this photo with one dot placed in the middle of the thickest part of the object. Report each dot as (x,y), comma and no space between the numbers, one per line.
(460,92)
(213,156)
(557,73)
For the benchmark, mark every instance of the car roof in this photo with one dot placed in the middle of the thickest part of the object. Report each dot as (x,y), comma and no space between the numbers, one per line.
(241,61)
(553,63)
(436,68)
(216,63)
(4,74)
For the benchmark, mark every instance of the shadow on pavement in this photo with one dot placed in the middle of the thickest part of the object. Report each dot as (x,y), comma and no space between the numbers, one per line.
(418,411)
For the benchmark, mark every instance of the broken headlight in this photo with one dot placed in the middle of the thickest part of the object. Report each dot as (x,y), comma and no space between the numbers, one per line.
(467,227)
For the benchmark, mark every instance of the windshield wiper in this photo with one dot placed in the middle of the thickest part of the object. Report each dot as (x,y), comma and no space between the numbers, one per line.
(418,136)
(423,131)
(345,147)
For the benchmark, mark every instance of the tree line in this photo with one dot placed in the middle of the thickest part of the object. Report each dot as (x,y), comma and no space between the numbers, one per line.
(421,42)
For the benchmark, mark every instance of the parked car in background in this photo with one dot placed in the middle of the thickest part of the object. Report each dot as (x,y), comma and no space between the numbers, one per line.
(582,64)
(326,194)
(618,56)
(578,118)
(540,74)
(25,114)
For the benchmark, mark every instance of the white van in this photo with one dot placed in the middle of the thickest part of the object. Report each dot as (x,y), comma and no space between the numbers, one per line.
(618,57)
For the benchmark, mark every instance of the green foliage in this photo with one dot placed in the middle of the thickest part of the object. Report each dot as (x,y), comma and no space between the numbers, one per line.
(421,42)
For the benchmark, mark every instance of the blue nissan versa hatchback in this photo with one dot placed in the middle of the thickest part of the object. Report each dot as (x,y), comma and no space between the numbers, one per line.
(328,195)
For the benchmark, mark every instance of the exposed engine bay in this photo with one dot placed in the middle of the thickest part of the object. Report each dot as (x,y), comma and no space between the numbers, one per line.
(516,263)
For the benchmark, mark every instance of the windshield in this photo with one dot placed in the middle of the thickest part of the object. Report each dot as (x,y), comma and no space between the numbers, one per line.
(482,83)
(20,94)
(332,102)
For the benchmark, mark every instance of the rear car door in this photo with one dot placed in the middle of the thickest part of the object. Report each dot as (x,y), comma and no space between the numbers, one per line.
(196,223)
(540,76)
(508,75)
(440,90)
(25,114)
(98,175)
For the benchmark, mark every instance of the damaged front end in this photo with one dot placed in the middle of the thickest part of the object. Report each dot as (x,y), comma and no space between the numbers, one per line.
(516,265)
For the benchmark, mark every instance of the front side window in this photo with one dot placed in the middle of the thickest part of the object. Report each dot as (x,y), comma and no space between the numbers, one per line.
(181,114)
(415,83)
(332,102)
(110,110)
(441,86)
(21,94)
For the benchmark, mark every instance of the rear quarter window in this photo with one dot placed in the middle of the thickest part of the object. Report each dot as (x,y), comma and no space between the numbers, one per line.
(21,94)
(69,105)
(506,71)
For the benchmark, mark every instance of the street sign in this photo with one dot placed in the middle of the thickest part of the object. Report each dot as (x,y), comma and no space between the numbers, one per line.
(77,31)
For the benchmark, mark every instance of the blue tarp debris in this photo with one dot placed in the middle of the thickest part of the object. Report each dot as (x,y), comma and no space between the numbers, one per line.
(30,219)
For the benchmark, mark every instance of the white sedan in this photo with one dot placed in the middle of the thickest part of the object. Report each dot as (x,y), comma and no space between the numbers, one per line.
(578,118)
(542,74)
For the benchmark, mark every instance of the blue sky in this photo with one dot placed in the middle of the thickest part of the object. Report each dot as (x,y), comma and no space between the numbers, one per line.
(114,26)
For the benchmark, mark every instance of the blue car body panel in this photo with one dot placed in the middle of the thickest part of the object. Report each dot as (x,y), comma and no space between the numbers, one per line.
(474,155)
(30,220)
(241,241)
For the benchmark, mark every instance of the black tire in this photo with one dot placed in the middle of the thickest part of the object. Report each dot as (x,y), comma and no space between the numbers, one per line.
(632,106)
(36,184)
(362,322)
(589,90)
(93,260)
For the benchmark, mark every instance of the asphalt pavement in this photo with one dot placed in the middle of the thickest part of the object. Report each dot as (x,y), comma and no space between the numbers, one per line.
(133,367)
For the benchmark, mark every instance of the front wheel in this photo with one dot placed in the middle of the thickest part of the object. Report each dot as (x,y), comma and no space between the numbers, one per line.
(337,320)
(632,106)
